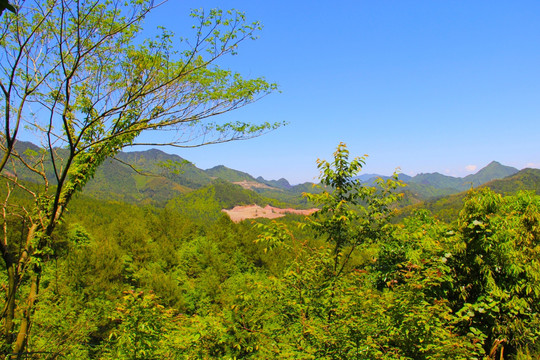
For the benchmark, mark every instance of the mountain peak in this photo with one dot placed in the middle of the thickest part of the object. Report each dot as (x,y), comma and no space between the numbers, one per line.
(280,184)
(493,170)
(217,167)
(493,163)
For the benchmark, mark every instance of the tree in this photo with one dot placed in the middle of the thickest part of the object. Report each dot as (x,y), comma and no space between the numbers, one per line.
(81,79)
(4,4)
(331,305)
(497,267)
(351,213)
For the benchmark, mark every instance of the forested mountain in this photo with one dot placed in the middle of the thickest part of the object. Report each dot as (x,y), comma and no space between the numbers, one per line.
(116,181)
(155,177)
(428,185)
(227,174)
(280,184)
(493,170)
(181,280)
(447,207)
(158,163)
(438,181)
(179,176)
(526,179)
(370,178)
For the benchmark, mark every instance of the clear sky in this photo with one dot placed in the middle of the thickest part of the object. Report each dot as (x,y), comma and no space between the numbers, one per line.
(426,86)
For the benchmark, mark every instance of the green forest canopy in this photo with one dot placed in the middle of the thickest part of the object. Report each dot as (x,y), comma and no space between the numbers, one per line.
(127,281)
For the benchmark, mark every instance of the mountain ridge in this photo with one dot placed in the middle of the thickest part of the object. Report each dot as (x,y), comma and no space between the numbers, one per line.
(156,176)
(447,207)
(426,185)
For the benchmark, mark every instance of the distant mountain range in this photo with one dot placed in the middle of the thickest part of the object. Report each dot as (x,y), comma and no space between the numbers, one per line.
(155,177)
(494,170)
(447,207)
(423,186)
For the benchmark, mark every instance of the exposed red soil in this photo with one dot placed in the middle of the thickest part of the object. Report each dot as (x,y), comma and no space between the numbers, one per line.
(239,213)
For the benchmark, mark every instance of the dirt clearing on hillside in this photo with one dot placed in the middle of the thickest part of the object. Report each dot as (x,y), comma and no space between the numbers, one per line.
(239,213)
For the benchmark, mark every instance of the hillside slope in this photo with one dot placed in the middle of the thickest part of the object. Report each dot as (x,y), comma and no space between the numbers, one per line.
(447,207)
(206,204)
(155,177)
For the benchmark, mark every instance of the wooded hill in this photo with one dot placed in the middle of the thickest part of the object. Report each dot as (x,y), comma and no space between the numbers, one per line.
(155,177)
(127,279)
(161,179)
(447,207)
(428,185)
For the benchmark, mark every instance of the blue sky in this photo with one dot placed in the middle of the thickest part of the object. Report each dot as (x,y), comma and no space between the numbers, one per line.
(425,86)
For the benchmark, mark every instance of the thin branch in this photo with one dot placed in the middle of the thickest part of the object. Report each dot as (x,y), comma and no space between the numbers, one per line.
(135,169)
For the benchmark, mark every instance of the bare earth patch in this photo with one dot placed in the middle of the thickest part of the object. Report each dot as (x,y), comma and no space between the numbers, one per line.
(239,213)
(249,185)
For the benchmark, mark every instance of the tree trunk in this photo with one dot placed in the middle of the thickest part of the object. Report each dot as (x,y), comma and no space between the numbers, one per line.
(10,301)
(8,312)
(24,330)
(15,270)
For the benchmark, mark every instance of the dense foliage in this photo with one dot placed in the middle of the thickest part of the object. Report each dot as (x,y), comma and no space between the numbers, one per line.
(155,272)
(86,83)
(132,282)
